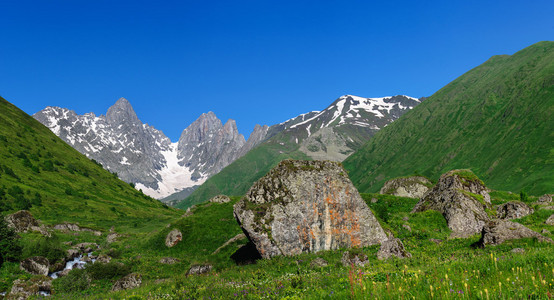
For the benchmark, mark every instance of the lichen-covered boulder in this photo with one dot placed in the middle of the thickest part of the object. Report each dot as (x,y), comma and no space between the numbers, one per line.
(36,265)
(513,210)
(497,232)
(220,199)
(23,289)
(169,260)
(173,238)
(463,200)
(306,206)
(200,269)
(550,221)
(546,198)
(412,187)
(392,247)
(112,237)
(23,221)
(130,281)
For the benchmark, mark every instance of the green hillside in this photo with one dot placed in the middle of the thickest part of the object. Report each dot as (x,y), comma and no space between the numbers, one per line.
(236,178)
(40,172)
(495,120)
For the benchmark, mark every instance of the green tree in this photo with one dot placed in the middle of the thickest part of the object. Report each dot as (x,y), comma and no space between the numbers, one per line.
(9,243)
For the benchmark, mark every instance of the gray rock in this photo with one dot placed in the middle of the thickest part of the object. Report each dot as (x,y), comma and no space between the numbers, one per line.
(67,227)
(462,199)
(546,198)
(436,241)
(22,289)
(513,210)
(57,266)
(392,247)
(23,221)
(200,269)
(71,254)
(412,187)
(173,238)
(319,263)
(36,265)
(497,232)
(103,258)
(350,258)
(112,237)
(220,199)
(130,281)
(550,207)
(545,231)
(407,227)
(86,247)
(550,221)
(169,260)
(518,250)
(306,206)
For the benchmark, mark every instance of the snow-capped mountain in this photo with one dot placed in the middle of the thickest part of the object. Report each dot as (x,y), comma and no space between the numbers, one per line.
(143,155)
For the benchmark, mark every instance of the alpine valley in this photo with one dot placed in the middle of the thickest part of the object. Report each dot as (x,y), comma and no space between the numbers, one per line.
(445,197)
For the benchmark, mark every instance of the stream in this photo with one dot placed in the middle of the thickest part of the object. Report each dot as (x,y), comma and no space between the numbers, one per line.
(77,262)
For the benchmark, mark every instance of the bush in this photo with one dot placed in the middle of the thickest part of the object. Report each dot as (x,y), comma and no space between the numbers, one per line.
(47,247)
(77,280)
(9,243)
(107,271)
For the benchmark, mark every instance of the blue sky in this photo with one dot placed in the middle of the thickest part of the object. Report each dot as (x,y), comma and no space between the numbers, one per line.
(258,62)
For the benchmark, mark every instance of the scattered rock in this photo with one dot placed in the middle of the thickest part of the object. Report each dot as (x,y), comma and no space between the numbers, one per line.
(462,199)
(546,198)
(412,187)
(57,267)
(238,237)
(103,258)
(22,289)
(319,263)
(306,206)
(64,272)
(220,199)
(392,247)
(498,231)
(518,250)
(68,227)
(189,211)
(112,237)
(173,238)
(436,241)
(23,221)
(545,231)
(86,247)
(71,254)
(550,221)
(169,260)
(407,227)
(550,207)
(130,281)
(200,269)
(354,259)
(513,210)
(36,265)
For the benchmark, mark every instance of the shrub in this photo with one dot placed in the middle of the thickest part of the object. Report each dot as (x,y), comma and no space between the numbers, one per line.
(9,244)
(107,271)
(47,247)
(77,280)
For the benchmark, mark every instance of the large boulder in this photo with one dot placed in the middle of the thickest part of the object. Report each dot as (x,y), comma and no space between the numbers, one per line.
(22,289)
(463,200)
(220,199)
(392,247)
(513,210)
(413,187)
(36,265)
(306,206)
(23,221)
(173,238)
(498,231)
(130,281)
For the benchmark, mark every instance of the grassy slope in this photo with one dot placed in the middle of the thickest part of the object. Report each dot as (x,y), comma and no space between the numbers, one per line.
(237,178)
(71,187)
(496,120)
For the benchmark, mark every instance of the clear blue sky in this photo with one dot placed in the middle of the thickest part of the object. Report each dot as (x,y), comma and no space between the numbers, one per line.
(258,62)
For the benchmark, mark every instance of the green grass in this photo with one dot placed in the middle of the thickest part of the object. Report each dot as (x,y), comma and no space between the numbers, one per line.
(495,120)
(40,172)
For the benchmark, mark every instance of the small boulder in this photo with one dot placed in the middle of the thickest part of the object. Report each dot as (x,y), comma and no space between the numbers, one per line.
(86,247)
(412,187)
(436,241)
(103,258)
(220,199)
(112,237)
(173,238)
(200,269)
(462,199)
(545,231)
(513,210)
(407,227)
(22,289)
(546,198)
(169,260)
(550,221)
(130,281)
(319,263)
(36,265)
(66,227)
(518,250)
(72,253)
(57,266)
(497,232)
(392,247)
(306,206)
(350,258)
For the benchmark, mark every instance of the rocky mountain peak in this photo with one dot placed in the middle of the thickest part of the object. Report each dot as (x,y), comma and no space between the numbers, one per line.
(122,112)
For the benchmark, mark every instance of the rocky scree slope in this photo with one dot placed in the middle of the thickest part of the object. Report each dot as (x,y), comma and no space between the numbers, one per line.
(143,155)
(331,134)
(495,119)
